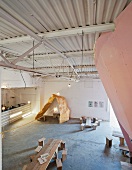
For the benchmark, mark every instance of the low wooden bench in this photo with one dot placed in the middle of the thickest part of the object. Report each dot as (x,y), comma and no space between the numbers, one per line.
(124,149)
(120,136)
(59,164)
(51,147)
(109,141)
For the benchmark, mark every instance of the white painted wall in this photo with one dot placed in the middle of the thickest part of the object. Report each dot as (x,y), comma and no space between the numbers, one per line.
(0,129)
(13,80)
(78,96)
(32,94)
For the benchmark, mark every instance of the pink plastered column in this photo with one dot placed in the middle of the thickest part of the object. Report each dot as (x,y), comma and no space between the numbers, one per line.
(113,60)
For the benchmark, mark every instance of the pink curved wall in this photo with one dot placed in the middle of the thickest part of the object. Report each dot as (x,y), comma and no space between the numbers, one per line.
(113,59)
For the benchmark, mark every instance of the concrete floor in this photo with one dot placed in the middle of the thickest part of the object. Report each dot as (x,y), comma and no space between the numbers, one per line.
(86,149)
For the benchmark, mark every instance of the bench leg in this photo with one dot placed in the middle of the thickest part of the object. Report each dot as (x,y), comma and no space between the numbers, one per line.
(121,141)
(130,157)
(64,155)
(62,145)
(82,127)
(108,142)
(94,127)
(59,164)
(44,118)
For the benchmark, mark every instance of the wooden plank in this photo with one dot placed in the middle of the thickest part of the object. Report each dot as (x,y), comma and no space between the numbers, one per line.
(117,134)
(124,148)
(38,149)
(50,147)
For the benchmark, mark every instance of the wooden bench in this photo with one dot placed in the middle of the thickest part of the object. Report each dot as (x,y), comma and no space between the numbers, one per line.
(120,136)
(124,149)
(51,147)
(59,164)
(108,141)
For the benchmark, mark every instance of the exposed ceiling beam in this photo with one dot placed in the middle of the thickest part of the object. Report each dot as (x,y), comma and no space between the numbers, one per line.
(63,33)
(12,66)
(52,55)
(26,53)
(4,58)
(66,53)
(18,24)
(76,67)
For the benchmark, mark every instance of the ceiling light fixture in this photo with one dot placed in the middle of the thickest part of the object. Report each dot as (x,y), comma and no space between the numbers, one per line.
(69,85)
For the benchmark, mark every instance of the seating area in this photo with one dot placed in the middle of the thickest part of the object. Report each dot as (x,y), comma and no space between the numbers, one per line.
(87,122)
(45,152)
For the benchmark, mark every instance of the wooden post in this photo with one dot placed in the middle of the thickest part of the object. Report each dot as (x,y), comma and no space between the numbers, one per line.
(109,141)
(121,141)
(63,145)
(59,164)
(44,118)
(41,142)
(82,126)
(130,157)
(64,155)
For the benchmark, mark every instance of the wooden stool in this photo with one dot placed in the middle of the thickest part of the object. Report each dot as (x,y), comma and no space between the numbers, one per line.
(59,164)
(64,155)
(82,126)
(41,142)
(109,141)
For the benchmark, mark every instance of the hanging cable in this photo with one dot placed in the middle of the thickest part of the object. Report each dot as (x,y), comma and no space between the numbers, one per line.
(82,51)
(33,56)
(23,78)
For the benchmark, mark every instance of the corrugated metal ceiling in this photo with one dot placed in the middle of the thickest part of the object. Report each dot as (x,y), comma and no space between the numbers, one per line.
(45,16)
